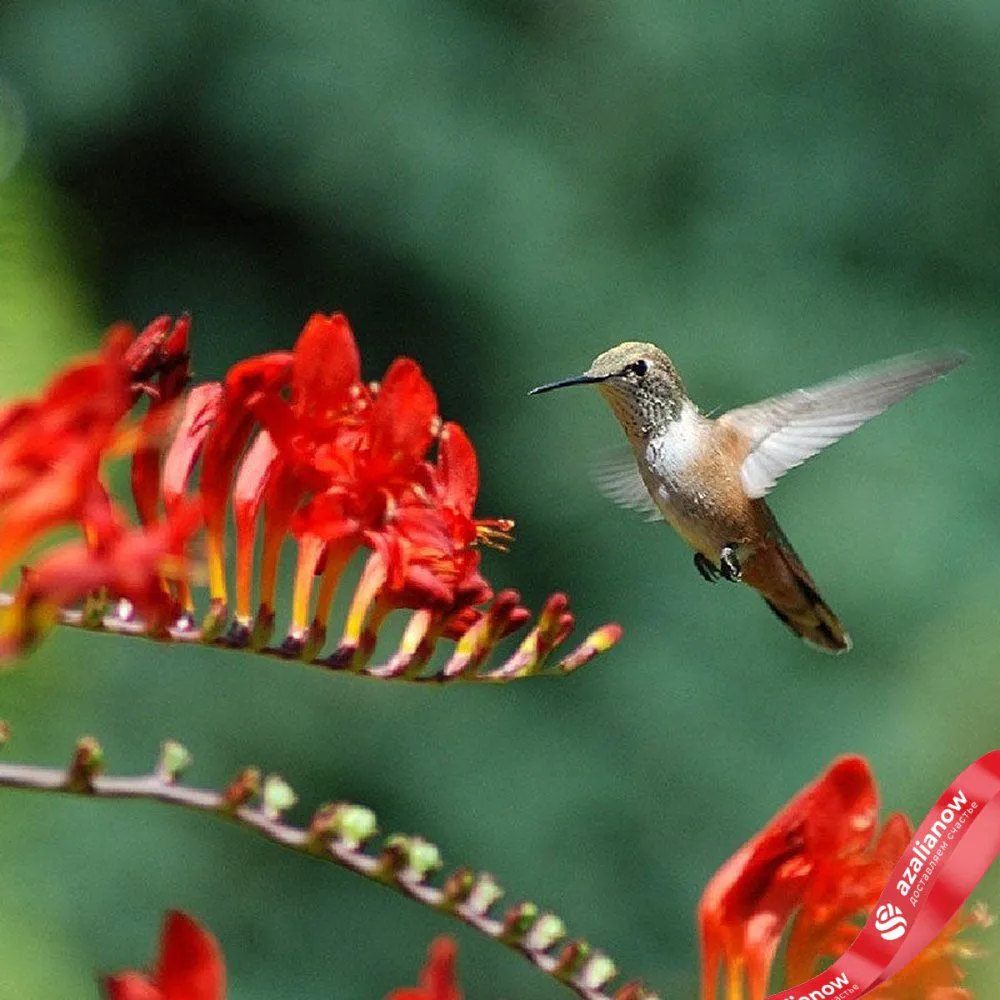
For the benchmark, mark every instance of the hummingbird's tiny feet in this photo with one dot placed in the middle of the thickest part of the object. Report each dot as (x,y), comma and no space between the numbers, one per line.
(706,567)
(729,564)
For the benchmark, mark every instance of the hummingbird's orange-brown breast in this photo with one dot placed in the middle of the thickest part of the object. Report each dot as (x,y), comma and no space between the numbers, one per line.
(692,470)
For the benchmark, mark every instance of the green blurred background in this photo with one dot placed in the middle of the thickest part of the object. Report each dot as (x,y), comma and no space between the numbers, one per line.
(774,193)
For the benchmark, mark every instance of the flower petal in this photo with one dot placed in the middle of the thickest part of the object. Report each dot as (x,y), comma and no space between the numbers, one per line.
(437,980)
(402,418)
(200,412)
(457,470)
(190,966)
(326,367)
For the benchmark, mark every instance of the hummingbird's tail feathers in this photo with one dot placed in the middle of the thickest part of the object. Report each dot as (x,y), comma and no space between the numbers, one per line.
(816,624)
(776,571)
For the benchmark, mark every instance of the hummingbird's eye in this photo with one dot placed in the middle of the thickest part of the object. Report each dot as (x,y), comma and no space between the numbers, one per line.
(638,367)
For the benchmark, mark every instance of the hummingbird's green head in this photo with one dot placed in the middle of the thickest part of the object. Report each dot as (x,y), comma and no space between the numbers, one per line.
(639,382)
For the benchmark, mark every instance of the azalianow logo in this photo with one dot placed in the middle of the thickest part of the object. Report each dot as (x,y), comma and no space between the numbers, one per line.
(890,922)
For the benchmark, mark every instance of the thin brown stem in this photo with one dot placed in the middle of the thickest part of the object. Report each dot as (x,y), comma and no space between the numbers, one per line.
(338,834)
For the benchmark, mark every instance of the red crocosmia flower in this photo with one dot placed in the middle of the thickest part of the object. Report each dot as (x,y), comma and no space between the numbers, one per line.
(200,411)
(747,903)
(837,893)
(309,404)
(425,554)
(51,448)
(840,898)
(133,564)
(52,451)
(437,980)
(454,488)
(362,468)
(819,866)
(189,967)
(338,465)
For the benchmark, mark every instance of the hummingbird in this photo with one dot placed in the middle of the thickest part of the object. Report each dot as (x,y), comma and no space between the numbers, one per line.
(708,477)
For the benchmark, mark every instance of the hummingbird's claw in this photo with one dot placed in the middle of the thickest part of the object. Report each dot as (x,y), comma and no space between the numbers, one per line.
(729,564)
(706,567)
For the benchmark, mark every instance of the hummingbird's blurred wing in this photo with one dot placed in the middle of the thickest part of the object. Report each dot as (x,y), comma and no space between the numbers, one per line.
(786,430)
(617,476)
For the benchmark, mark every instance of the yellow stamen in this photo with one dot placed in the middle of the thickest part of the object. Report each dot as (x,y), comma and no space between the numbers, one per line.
(217,567)
(734,980)
(373,578)
(310,549)
(496,534)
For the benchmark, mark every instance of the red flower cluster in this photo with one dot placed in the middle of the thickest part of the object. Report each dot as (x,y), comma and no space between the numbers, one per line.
(295,444)
(820,865)
(341,465)
(51,454)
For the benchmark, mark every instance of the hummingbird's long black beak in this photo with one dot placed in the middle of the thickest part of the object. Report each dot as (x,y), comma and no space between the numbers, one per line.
(573,380)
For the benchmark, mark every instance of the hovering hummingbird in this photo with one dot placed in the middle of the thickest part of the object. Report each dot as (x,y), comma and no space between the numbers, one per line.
(708,477)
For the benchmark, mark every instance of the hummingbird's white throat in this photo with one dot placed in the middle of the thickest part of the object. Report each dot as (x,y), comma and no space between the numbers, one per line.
(670,450)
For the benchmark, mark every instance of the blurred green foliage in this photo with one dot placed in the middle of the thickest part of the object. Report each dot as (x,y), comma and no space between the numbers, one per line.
(774,193)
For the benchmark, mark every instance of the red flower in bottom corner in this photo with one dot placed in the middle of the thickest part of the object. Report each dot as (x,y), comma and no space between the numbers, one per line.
(437,980)
(811,877)
(189,967)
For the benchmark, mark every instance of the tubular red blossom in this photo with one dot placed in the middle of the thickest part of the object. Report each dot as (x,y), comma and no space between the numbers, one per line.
(190,966)
(51,448)
(456,476)
(437,980)
(252,481)
(843,894)
(51,454)
(747,903)
(837,894)
(133,564)
(244,387)
(200,412)
(427,544)
(818,866)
